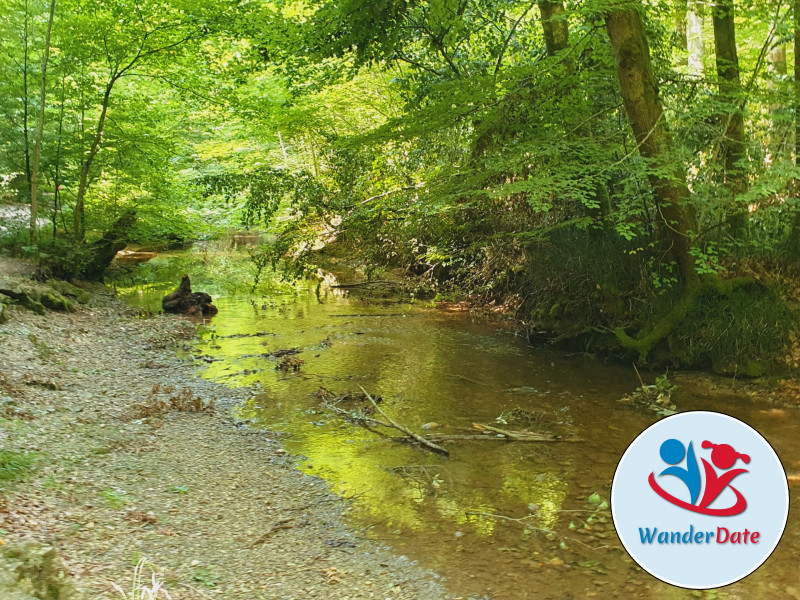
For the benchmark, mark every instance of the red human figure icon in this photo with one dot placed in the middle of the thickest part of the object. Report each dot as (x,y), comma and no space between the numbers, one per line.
(724,457)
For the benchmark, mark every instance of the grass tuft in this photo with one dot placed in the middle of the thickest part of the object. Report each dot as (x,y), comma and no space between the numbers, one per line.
(15,465)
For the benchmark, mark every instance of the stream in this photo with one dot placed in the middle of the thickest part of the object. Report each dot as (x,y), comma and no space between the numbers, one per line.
(501,520)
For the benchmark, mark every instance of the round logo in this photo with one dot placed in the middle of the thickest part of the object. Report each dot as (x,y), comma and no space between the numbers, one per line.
(700,500)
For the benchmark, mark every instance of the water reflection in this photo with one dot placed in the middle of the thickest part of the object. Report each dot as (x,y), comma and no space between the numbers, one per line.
(516,520)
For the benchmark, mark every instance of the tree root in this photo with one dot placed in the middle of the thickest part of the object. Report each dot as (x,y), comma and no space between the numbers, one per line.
(694,291)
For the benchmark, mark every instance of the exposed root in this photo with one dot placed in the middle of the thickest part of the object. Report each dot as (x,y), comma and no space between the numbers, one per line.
(646,341)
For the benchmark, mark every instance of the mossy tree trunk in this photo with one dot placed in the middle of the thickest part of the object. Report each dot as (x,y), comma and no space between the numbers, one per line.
(105,249)
(666,175)
(794,235)
(554,25)
(732,145)
(642,104)
(83,184)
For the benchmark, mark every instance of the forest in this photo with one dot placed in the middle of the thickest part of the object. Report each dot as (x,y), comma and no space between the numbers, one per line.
(620,177)
(457,282)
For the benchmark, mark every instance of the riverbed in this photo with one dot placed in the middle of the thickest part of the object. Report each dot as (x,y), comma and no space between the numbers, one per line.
(499,519)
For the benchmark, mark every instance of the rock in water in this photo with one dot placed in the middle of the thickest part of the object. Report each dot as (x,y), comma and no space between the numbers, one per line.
(185,302)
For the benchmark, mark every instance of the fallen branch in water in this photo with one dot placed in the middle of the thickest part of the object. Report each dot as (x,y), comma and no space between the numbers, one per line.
(521,436)
(477,513)
(365,418)
(517,436)
(364,283)
(415,436)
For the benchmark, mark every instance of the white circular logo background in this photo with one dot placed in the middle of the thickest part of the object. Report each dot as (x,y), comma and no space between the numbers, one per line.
(700,500)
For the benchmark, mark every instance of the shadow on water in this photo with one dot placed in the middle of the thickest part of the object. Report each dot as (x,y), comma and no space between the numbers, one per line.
(509,520)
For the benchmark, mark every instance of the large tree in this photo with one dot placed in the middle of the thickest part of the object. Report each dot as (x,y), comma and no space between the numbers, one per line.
(554,25)
(732,144)
(37,153)
(128,44)
(666,174)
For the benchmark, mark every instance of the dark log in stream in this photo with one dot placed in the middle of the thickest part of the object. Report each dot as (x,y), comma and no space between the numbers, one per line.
(185,302)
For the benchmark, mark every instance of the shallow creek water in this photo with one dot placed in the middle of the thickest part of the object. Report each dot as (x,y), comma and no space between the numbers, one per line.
(505,520)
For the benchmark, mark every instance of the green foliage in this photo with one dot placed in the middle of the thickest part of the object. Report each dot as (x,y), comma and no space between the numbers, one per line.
(204,574)
(132,59)
(62,259)
(664,385)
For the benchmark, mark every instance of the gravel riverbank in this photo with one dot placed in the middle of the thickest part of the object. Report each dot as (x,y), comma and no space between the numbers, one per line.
(138,458)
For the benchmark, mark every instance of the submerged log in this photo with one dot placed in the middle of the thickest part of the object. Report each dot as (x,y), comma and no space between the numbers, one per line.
(185,302)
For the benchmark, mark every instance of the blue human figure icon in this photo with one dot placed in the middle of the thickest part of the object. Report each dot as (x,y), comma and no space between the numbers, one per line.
(672,452)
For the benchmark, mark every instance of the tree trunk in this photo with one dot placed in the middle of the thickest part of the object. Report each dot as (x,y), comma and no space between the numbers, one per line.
(87,164)
(104,250)
(184,301)
(554,25)
(37,152)
(730,90)
(57,166)
(25,99)
(796,83)
(694,41)
(666,175)
(794,234)
(680,12)
(777,59)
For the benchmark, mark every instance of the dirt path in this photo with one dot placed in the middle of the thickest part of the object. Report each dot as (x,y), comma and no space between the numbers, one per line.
(124,470)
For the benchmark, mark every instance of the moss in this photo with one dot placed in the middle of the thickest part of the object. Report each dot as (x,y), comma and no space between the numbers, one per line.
(32,571)
(36,298)
(67,289)
(31,302)
(25,296)
(725,323)
(56,301)
(753,368)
